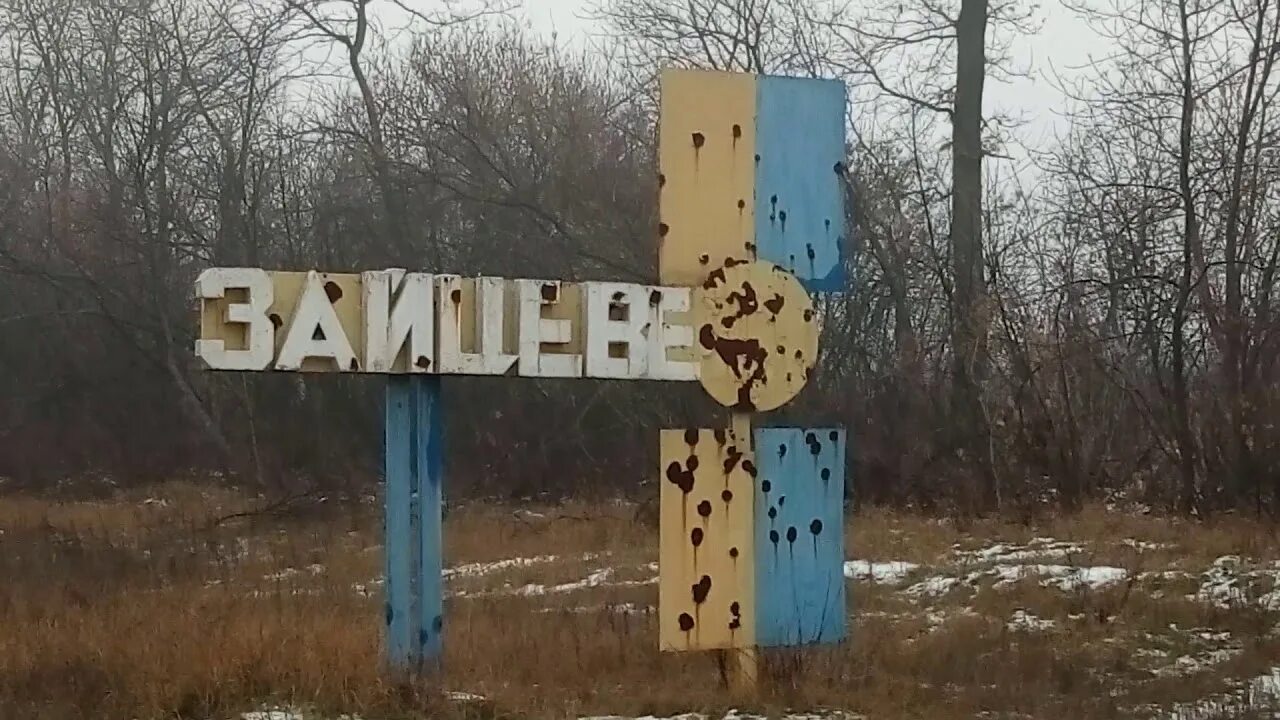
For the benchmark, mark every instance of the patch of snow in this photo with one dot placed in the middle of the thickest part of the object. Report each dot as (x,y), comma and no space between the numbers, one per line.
(934,586)
(479,569)
(1227,584)
(736,715)
(1200,662)
(1025,621)
(1143,545)
(1040,548)
(598,578)
(1260,693)
(285,715)
(617,608)
(314,569)
(891,572)
(1062,577)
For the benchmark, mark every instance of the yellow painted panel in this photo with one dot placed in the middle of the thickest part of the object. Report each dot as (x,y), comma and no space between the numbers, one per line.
(758,334)
(706,592)
(706,165)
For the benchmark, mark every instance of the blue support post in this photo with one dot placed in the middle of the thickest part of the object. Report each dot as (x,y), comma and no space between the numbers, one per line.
(413,460)
(430,452)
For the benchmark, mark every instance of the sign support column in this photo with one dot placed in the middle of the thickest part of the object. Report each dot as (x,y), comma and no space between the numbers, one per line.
(414,475)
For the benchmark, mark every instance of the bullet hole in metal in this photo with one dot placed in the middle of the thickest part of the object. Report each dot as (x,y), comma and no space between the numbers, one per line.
(699,140)
(456,296)
(732,456)
(423,362)
(766,486)
(686,622)
(792,534)
(691,436)
(680,477)
(701,589)
(815,527)
(332,290)
(726,495)
(663,229)
(276,321)
(825,474)
(695,537)
(704,508)
(815,445)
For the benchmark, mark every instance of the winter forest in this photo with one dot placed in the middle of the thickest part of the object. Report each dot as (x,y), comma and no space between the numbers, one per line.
(1093,319)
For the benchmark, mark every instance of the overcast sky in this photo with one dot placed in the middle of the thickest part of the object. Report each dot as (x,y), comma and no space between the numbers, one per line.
(1062,42)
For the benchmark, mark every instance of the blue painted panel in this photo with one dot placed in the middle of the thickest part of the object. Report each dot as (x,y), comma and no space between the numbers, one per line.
(799,536)
(429,437)
(799,196)
(398,459)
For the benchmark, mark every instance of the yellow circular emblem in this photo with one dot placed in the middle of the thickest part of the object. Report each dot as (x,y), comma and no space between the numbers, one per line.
(756,335)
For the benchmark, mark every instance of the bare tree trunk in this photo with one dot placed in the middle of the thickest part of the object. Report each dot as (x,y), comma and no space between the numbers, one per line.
(1190,242)
(970,320)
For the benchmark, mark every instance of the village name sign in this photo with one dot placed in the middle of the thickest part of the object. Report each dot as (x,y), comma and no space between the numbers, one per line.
(752,225)
(405,322)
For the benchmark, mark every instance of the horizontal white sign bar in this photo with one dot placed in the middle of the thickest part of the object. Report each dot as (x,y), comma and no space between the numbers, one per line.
(393,321)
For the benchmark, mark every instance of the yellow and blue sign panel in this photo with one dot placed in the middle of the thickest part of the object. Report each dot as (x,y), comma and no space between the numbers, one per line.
(752,168)
(752,539)
(752,542)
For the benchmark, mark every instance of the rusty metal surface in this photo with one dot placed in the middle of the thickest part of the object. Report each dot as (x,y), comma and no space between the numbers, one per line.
(706,550)
(758,336)
(706,166)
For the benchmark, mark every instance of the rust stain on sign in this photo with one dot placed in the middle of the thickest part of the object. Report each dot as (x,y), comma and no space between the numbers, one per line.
(706,594)
(758,336)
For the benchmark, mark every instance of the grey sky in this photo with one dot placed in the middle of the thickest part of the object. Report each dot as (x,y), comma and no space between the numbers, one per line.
(1062,42)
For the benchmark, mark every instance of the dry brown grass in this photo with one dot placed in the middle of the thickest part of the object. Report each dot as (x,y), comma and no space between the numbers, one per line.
(138,607)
